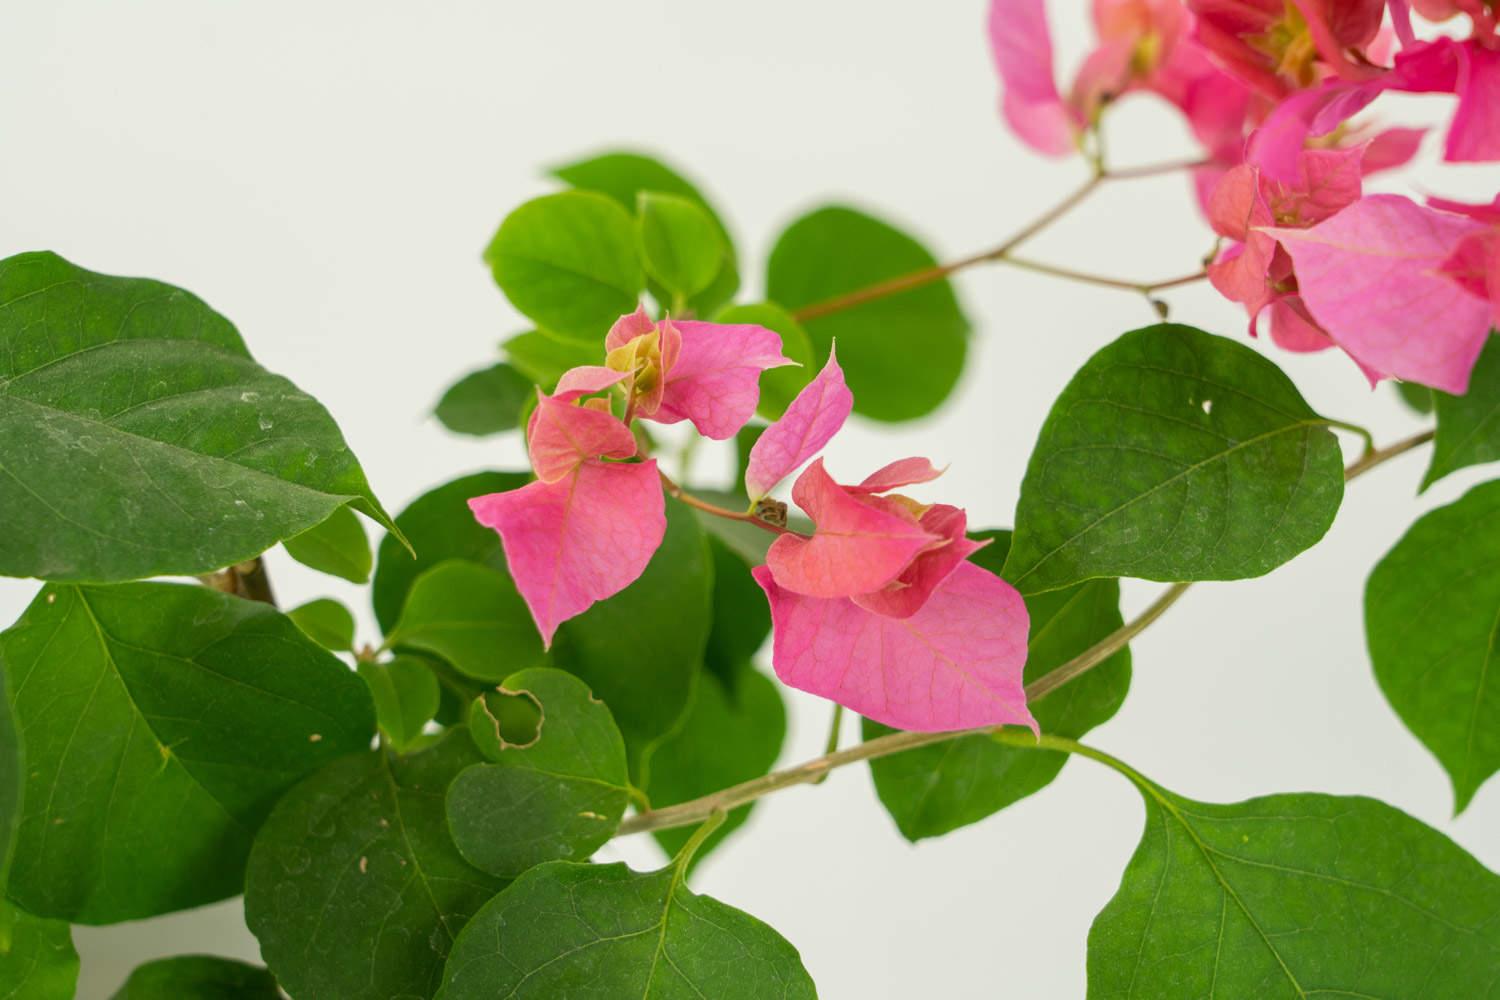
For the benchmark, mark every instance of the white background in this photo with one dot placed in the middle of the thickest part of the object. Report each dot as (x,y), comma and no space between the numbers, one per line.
(326,176)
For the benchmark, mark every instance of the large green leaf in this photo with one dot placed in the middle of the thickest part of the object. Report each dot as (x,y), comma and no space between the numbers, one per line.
(934,790)
(778,386)
(1432,620)
(902,354)
(472,617)
(1174,455)
(729,735)
(139,438)
(161,722)
(624,176)
(440,527)
(12,774)
(568,261)
(1294,896)
(680,245)
(557,796)
(640,650)
(1468,426)
(37,960)
(338,547)
(199,977)
(485,402)
(406,695)
(576,930)
(354,888)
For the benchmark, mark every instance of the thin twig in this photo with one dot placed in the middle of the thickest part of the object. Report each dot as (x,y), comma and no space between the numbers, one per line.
(676,491)
(813,771)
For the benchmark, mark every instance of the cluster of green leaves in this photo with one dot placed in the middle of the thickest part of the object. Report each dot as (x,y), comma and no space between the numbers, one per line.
(630,226)
(416,818)
(165,745)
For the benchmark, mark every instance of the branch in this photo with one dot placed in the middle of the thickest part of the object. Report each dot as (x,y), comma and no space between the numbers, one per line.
(929,275)
(813,771)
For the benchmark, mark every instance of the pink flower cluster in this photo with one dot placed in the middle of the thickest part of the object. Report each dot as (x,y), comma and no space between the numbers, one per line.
(1408,290)
(878,609)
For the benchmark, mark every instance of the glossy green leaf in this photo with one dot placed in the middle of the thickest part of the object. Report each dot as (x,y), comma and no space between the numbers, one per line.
(680,245)
(556,797)
(741,616)
(473,618)
(901,354)
(1431,611)
(729,735)
(406,696)
(623,176)
(568,261)
(12,773)
(37,960)
(485,402)
(934,790)
(326,622)
(543,358)
(1417,397)
(639,650)
(1294,896)
(1174,455)
(440,527)
(139,438)
(338,547)
(199,977)
(354,888)
(778,386)
(576,930)
(150,708)
(1468,426)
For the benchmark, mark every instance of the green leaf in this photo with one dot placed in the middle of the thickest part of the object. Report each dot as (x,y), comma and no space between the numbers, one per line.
(485,402)
(623,176)
(741,616)
(37,960)
(729,735)
(139,438)
(199,977)
(161,722)
(1174,455)
(936,789)
(680,244)
(901,354)
(326,622)
(1432,617)
(406,696)
(1417,397)
(1294,896)
(472,617)
(572,930)
(338,547)
(543,358)
(778,386)
(558,796)
(640,650)
(568,261)
(12,773)
(355,890)
(1468,426)
(440,527)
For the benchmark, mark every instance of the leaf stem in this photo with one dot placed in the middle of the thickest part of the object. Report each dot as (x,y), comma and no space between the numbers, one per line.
(937,272)
(684,856)
(1144,287)
(813,771)
(679,493)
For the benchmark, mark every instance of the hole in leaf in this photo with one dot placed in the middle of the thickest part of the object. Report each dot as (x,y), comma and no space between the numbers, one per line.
(513,719)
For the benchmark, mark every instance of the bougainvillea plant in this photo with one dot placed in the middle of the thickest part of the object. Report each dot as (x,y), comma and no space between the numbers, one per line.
(569,652)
